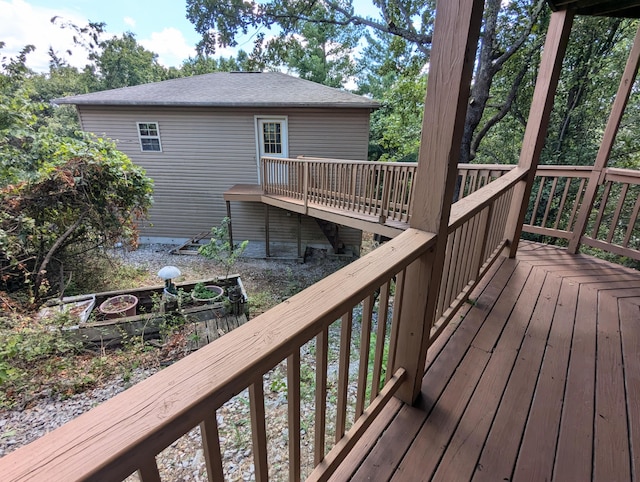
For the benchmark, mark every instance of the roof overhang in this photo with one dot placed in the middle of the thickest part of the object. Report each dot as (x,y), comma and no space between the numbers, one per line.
(607,8)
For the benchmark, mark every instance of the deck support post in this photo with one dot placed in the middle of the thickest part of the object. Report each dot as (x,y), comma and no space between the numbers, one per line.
(455,40)
(538,122)
(602,158)
(266,231)
(229,225)
(299,236)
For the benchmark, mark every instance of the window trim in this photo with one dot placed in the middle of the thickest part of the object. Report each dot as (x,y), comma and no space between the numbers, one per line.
(258,136)
(141,136)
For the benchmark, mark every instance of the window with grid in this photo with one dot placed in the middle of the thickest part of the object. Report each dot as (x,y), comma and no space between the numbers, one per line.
(149,134)
(272,137)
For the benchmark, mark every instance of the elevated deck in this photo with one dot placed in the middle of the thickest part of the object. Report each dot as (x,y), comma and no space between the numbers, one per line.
(346,217)
(539,380)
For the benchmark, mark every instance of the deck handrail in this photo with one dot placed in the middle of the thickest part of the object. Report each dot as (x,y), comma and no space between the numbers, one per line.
(126,433)
(383,190)
(558,195)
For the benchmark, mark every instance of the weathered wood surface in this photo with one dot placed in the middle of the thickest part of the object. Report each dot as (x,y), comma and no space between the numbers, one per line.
(517,392)
(112,440)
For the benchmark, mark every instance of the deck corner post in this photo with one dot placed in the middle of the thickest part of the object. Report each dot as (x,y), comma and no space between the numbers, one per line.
(602,158)
(455,41)
(538,121)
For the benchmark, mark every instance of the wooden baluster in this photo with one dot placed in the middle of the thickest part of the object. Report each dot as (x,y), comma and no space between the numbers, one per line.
(148,471)
(365,347)
(463,183)
(563,200)
(397,311)
(484,232)
(577,204)
(343,374)
(603,205)
(632,222)
(293,409)
(534,213)
(322,356)
(552,193)
(211,448)
(616,215)
(459,273)
(258,431)
(447,273)
(381,335)
(305,186)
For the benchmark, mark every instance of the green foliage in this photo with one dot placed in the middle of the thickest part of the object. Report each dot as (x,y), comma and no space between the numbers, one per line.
(84,194)
(123,62)
(219,247)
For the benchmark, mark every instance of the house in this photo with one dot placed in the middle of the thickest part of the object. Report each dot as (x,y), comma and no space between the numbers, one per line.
(536,379)
(198,136)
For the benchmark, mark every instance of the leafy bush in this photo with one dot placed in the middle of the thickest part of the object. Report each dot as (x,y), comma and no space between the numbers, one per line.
(84,196)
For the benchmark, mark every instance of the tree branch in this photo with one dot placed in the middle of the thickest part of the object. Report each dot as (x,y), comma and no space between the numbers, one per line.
(52,250)
(504,110)
(513,48)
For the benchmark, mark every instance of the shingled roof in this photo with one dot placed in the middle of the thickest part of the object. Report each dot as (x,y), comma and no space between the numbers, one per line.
(227,89)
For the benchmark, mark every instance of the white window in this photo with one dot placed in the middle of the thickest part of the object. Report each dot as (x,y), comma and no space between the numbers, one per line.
(149,134)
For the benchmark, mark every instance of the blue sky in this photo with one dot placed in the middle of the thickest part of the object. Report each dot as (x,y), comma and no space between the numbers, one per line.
(160,26)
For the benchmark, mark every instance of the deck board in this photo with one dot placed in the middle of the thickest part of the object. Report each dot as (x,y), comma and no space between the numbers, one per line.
(539,381)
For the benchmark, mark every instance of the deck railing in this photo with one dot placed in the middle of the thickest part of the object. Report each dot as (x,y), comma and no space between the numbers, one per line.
(358,308)
(382,190)
(612,224)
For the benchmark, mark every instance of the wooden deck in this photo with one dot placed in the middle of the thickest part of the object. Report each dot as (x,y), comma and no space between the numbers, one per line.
(539,381)
(345,217)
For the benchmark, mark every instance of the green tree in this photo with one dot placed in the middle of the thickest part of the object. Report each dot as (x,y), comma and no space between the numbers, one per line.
(123,62)
(59,196)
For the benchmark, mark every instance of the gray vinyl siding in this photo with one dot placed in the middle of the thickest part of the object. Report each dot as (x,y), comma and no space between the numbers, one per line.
(205,151)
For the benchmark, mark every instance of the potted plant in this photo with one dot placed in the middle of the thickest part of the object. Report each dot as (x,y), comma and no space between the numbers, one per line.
(206,293)
(224,253)
(119,306)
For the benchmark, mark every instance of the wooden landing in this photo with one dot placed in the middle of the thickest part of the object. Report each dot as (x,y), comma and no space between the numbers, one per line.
(539,381)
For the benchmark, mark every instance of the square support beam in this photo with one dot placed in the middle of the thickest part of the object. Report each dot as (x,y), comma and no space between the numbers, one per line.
(535,134)
(453,52)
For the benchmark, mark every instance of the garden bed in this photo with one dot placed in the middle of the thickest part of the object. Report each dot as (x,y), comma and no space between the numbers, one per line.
(154,311)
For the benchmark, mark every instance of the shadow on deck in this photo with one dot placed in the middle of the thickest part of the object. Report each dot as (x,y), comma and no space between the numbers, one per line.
(539,379)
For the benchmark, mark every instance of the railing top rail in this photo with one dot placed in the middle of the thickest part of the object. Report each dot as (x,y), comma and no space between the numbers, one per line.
(622,175)
(470,205)
(107,442)
(547,167)
(486,167)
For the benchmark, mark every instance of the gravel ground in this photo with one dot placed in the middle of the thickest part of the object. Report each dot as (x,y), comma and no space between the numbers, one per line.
(184,460)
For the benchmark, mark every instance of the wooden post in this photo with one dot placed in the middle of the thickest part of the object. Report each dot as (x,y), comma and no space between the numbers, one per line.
(305,187)
(455,40)
(602,158)
(266,231)
(230,230)
(538,122)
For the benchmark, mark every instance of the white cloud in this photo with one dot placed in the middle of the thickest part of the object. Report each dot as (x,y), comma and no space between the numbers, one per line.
(129,21)
(170,45)
(24,24)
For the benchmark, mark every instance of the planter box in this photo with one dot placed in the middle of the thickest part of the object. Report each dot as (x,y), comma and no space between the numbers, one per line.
(152,308)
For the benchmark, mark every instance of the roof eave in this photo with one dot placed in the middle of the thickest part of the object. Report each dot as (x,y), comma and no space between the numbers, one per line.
(325,105)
